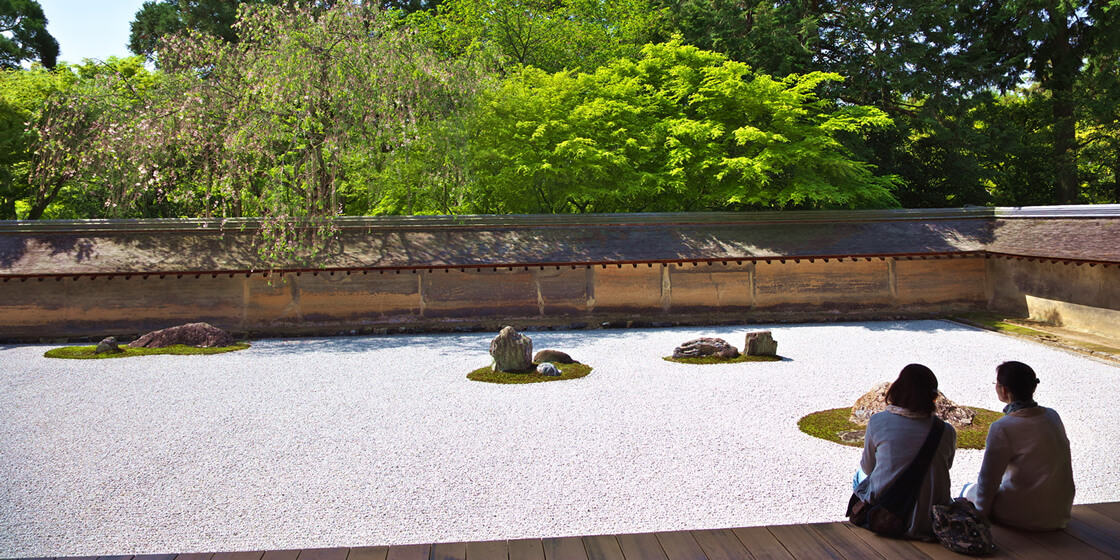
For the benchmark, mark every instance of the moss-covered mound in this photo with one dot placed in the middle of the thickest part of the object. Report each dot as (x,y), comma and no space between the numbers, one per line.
(567,371)
(86,352)
(703,360)
(831,424)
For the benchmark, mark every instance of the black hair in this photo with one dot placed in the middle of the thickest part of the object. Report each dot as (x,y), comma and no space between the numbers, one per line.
(1018,378)
(915,389)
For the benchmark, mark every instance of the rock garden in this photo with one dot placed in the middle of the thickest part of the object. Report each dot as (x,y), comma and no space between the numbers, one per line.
(846,425)
(757,347)
(514,362)
(184,340)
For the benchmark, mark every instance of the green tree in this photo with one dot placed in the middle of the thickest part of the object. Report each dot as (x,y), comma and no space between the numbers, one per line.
(290,122)
(548,34)
(678,129)
(23,97)
(24,36)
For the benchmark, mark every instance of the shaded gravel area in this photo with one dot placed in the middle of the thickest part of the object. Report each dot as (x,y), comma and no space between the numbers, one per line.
(360,441)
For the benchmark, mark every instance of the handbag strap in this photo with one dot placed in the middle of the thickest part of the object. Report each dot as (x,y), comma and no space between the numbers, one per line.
(900,497)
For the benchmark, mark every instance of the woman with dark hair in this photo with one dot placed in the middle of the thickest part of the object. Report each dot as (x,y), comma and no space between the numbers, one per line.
(893,440)
(1026,479)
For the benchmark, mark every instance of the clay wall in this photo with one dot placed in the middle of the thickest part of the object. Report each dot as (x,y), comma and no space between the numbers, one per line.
(372,301)
(1079,296)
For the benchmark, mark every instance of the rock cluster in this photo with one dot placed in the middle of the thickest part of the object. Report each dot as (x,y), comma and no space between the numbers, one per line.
(706,347)
(875,401)
(199,335)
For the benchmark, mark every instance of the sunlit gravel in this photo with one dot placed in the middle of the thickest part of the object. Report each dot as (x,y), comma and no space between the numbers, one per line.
(310,443)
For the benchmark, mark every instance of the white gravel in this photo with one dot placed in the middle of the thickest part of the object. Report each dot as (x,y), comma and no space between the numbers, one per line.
(382,440)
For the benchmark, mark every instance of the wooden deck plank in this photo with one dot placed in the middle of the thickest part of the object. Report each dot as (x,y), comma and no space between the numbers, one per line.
(114,557)
(899,549)
(680,545)
(1043,545)
(564,548)
(937,551)
(409,552)
(323,554)
(366,553)
(154,557)
(803,542)
(526,549)
(1017,543)
(603,547)
(1110,509)
(450,551)
(195,556)
(1100,540)
(841,537)
(761,543)
(644,546)
(1100,522)
(283,555)
(251,555)
(721,544)
(486,550)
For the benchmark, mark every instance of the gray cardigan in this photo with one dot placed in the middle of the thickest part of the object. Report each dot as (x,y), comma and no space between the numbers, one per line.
(890,445)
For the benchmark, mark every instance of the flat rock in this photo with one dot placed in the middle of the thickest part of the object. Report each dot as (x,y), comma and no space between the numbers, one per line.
(554,356)
(701,347)
(199,335)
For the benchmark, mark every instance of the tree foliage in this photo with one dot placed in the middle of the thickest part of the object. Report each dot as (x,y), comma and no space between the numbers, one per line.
(676,129)
(285,123)
(24,36)
(551,35)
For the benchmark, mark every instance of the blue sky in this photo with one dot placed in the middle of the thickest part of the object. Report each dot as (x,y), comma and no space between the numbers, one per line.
(90,28)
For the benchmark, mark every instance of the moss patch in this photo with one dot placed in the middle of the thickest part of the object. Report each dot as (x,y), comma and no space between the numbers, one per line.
(704,360)
(86,352)
(567,371)
(1000,323)
(829,424)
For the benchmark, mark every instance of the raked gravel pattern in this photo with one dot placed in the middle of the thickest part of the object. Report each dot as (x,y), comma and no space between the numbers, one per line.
(310,443)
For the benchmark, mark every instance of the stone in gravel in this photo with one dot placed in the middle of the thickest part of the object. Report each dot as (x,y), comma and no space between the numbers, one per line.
(875,401)
(554,356)
(512,351)
(107,345)
(706,347)
(851,436)
(761,343)
(199,335)
(548,369)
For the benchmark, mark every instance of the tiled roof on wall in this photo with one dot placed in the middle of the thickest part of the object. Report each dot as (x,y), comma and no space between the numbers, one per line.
(190,246)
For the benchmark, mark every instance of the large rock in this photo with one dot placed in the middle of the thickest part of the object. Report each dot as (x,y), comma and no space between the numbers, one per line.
(554,356)
(199,335)
(512,351)
(706,347)
(760,343)
(875,401)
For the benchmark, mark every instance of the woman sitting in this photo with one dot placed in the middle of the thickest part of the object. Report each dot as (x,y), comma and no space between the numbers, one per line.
(1026,479)
(892,442)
